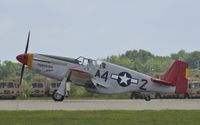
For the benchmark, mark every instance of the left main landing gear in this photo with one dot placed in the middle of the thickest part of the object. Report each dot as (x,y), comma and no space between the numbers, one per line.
(57,96)
(63,89)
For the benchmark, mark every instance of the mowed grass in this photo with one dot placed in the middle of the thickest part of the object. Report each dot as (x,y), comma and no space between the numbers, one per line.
(107,117)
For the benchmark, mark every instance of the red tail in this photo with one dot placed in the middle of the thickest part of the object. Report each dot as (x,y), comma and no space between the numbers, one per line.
(178,76)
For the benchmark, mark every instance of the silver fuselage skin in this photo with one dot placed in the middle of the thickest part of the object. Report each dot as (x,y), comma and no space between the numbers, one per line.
(110,79)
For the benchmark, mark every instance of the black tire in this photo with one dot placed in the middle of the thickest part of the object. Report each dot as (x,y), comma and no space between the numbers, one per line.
(57,97)
(147,98)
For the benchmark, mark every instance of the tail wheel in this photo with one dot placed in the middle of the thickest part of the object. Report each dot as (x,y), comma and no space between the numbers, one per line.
(147,98)
(57,96)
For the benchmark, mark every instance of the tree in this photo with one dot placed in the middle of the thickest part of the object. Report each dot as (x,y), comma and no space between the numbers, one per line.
(8,69)
(193,59)
(182,54)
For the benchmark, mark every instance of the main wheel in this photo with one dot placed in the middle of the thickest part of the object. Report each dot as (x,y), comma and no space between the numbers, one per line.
(57,96)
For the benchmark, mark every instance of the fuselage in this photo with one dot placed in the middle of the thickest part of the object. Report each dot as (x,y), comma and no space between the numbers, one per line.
(102,77)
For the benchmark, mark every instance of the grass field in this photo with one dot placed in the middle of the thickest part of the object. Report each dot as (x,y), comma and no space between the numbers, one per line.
(108,117)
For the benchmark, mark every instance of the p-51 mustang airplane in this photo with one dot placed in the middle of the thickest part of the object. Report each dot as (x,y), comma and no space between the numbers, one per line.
(103,77)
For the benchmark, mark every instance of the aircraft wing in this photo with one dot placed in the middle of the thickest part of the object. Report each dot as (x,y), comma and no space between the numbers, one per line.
(79,76)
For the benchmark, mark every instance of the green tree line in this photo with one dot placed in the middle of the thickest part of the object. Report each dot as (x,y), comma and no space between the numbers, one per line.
(10,70)
(146,62)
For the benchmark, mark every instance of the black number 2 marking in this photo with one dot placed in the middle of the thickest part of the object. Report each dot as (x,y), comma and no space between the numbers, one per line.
(142,87)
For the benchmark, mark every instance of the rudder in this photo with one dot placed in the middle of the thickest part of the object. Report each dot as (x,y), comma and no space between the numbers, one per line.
(177,75)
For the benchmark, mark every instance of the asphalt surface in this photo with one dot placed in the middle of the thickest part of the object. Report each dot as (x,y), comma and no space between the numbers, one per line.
(185,104)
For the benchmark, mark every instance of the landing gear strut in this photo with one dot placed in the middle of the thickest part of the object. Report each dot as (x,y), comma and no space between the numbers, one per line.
(60,94)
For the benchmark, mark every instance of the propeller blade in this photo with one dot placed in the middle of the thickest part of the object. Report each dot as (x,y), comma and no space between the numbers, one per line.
(22,73)
(23,66)
(27,43)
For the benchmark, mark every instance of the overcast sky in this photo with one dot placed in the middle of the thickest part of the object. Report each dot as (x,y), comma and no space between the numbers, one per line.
(98,28)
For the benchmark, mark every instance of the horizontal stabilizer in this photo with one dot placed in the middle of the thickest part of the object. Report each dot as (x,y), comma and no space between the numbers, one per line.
(162,82)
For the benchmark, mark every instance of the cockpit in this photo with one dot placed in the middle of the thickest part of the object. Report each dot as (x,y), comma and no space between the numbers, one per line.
(90,62)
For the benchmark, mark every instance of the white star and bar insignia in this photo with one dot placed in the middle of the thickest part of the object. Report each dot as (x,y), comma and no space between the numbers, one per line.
(124,79)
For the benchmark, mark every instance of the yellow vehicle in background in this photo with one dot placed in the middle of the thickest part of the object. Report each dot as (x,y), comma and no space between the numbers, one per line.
(9,89)
(53,87)
(18,89)
(193,90)
(38,89)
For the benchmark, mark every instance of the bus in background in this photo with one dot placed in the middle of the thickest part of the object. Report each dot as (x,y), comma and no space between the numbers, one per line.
(193,90)
(38,89)
(53,87)
(8,90)
(18,89)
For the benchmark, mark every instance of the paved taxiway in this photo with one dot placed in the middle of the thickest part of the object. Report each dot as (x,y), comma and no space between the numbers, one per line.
(186,104)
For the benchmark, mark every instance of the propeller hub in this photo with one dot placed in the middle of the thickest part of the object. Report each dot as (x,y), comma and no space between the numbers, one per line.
(23,58)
